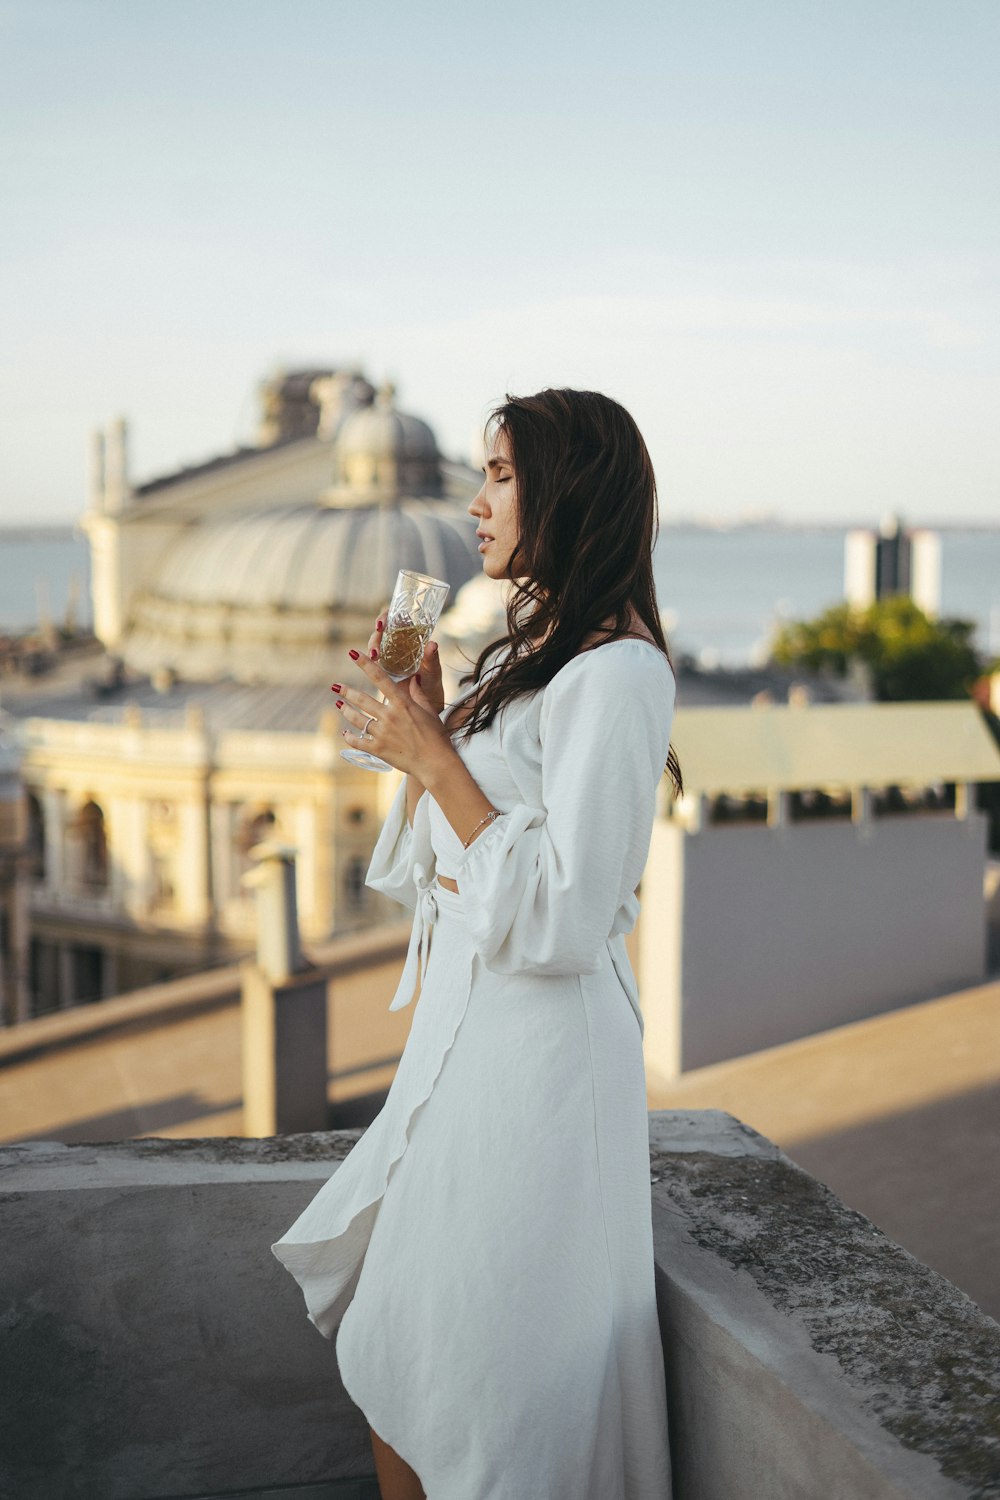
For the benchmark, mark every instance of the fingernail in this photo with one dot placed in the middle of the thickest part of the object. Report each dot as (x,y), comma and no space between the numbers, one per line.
(374,656)
(418,679)
(340,702)
(354,654)
(335,687)
(380,625)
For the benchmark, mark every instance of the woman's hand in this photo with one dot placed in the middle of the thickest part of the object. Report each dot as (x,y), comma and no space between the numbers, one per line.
(406,730)
(431,680)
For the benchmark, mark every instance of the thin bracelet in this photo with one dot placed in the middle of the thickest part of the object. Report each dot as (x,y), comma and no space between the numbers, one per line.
(488,819)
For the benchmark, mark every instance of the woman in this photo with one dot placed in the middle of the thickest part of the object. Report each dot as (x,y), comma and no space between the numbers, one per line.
(486,1247)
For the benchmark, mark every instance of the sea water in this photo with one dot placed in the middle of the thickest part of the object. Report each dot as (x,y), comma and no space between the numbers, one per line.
(722,591)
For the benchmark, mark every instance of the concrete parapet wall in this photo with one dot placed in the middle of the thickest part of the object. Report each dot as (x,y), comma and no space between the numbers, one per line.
(154,1347)
(752,936)
(210,989)
(808,1356)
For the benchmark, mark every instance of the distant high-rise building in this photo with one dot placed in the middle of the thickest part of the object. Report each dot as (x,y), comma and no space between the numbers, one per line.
(893,560)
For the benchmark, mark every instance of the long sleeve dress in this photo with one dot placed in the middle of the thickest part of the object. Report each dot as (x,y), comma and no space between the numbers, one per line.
(485,1253)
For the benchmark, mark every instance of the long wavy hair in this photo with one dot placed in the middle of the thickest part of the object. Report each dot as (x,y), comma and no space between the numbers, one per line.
(587,520)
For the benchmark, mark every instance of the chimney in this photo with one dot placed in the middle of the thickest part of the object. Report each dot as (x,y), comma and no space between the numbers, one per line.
(97,471)
(284,1010)
(117,490)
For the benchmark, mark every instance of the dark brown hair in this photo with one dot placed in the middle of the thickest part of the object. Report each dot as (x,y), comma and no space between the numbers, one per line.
(587,519)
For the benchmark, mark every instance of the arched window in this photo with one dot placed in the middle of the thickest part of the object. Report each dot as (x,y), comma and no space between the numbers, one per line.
(255,825)
(355,889)
(93,845)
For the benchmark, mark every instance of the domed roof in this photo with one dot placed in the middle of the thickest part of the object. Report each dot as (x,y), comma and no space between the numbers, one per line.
(260,597)
(383,455)
(382,432)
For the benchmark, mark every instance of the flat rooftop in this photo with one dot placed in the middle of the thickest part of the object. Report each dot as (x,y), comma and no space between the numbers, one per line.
(898,1114)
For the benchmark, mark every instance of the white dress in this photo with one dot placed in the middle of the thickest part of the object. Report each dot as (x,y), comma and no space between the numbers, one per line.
(485,1250)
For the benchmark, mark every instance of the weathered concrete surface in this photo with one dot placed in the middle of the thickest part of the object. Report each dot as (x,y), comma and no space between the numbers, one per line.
(849,1369)
(899,1115)
(152,1346)
(150,1343)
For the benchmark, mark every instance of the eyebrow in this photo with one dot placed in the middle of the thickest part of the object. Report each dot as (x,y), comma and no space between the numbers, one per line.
(497,463)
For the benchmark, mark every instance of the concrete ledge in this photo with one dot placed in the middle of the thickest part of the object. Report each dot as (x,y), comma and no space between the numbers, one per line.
(336,1489)
(807,1354)
(153,1349)
(152,1345)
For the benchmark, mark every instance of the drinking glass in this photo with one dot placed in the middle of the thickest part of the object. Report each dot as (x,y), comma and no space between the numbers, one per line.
(414,610)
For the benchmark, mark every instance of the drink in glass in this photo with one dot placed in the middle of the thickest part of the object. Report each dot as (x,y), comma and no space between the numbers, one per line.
(414,610)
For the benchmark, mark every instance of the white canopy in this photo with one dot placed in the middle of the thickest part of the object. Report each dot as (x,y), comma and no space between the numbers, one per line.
(741,749)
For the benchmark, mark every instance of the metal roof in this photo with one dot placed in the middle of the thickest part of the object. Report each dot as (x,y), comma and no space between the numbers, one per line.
(307,557)
(245,455)
(290,708)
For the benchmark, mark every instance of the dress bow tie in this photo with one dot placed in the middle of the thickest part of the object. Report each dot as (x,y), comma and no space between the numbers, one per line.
(420,938)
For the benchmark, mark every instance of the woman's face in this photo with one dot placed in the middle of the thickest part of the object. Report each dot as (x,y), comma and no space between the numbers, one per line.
(495,507)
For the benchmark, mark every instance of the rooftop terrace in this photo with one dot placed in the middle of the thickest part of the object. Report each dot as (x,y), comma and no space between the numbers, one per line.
(153,1347)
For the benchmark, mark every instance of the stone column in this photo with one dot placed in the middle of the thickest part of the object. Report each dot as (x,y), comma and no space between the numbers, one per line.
(128,850)
(194,902)
(220,818)
(303,819)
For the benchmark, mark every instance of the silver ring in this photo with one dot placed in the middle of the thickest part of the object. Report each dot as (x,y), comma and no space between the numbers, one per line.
(364,735)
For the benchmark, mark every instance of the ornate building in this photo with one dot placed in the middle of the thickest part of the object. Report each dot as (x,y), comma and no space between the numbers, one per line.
(224,596)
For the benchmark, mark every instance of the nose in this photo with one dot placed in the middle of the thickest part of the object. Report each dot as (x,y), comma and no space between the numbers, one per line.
(478,499)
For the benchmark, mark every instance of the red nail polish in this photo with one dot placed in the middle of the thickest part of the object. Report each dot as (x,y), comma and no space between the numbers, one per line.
(381,625)
(340,702)
(354,654)
(336,688)
(374,656)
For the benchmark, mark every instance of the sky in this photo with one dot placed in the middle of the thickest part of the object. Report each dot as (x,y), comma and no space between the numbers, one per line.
(771,228)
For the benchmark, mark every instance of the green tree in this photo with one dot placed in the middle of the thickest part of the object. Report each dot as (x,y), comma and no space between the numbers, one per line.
(908,654)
